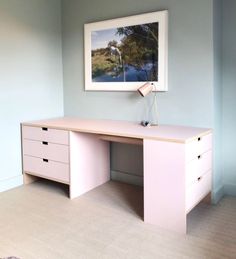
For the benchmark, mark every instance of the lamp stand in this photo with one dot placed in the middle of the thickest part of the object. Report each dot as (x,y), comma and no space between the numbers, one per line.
(153,112)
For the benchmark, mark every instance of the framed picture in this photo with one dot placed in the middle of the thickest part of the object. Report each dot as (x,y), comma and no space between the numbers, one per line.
(122,54)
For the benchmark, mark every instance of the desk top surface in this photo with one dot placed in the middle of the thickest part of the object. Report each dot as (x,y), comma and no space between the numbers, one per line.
(172,133)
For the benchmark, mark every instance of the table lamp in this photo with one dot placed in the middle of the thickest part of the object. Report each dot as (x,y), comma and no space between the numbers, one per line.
(145,90)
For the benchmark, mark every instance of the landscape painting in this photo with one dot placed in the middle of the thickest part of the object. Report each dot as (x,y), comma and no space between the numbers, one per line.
(124,53)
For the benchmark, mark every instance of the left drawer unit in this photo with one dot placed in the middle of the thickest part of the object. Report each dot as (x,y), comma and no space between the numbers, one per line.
(46,153)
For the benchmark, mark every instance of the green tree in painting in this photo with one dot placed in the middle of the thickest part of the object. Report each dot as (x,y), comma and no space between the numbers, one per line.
(102,62)
(113,43)
(140,45)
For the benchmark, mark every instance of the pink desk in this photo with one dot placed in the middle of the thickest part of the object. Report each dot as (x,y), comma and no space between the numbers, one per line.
(177,161)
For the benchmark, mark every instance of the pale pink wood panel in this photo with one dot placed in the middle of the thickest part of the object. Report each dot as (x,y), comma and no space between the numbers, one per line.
(51,170)
(89,162)
(50,135)
(50,151)
(197,167)
(164,185)
(205,143)
(198,190)
(198,146)
(124,128)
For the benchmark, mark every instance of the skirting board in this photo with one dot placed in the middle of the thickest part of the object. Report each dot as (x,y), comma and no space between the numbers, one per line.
(7,184)
(217,195)
(230,189)
(126,178)
(138,180)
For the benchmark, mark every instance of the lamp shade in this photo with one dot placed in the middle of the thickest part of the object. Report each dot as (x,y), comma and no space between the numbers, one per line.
(145,89)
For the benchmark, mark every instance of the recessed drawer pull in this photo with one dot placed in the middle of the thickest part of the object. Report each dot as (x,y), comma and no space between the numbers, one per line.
(199,156)
(51,135)
(44,142)
(199,178)
(198,139)
(45,160)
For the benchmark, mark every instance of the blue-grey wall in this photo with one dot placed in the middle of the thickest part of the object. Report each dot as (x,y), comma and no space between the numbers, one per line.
(201,71)
(30,75)
(217,140)
(191,98)
(229,95)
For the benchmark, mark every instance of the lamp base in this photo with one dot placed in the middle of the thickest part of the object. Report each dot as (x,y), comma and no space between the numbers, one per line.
(148,124)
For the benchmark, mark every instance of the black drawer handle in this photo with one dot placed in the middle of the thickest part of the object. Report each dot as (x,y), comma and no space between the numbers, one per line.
(199,157)
(199,139)
(45,143)
(45,160)
(199,178)
(46,129)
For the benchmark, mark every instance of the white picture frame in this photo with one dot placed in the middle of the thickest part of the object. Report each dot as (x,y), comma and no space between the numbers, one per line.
(110,64)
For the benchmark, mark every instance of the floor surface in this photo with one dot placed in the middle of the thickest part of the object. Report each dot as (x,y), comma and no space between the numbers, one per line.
(38,221)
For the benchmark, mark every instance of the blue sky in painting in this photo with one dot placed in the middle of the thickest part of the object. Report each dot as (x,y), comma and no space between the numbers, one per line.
(101,38)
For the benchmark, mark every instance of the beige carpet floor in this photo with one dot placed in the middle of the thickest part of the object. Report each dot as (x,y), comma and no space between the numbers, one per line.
(38,221)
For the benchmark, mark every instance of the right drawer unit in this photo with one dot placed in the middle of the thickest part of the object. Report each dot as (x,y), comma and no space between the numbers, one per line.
(198,170)
(46,153)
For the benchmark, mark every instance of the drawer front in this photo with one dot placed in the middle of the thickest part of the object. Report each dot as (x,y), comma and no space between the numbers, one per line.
(46,134)
(198,167)
(46,150)
(198,147)
(198,190)
(51,170)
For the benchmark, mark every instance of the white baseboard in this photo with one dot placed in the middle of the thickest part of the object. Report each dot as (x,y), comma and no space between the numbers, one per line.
(10,183)
(126,178)
(218,194)
(227,189)
(230,189)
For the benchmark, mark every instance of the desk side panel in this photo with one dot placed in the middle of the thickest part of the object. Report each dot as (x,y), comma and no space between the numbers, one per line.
(164,185)
(89,162)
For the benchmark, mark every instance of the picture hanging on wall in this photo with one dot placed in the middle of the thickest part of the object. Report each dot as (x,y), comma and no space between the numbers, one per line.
(122,54)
